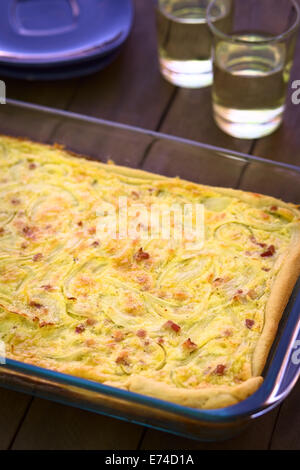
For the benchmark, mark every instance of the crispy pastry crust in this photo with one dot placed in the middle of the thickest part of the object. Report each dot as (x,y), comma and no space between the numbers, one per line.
(211,397)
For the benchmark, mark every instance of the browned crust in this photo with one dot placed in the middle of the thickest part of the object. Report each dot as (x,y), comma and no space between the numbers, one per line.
(206,398)
(216,396)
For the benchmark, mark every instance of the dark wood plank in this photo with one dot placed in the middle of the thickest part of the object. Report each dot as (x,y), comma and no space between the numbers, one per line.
(193,163)
(190,116)
(256,436)
(131,89)
(13,408)
(52,426)
(286,433)
(284,144)
(47,93)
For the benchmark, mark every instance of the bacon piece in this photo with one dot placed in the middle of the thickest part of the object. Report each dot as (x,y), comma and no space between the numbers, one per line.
(91,321)
(92,230)
(160,340)
(269,252)
(35,304)
(274,208)
(1,230)
(32,166)
(80,329)
(123,358)
(238,295)
(170,325)
(15,202)
(80,223)
(37,257)
(141,255)
(141,333)
(219,370)
(95,244)
(28,231)
(189,345)
(253,239)
(227,333)
(45,323)
(47,287)
(249,323)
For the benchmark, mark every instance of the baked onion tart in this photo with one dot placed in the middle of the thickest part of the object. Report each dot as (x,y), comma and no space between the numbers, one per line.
(146,314)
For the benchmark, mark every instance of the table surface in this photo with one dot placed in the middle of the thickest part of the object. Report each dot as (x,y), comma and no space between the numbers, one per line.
(132,91)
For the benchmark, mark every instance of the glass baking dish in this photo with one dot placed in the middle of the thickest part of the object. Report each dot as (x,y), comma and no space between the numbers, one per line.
(171,156)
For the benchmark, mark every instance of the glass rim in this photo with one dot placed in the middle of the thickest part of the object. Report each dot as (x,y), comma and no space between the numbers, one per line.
(275,38)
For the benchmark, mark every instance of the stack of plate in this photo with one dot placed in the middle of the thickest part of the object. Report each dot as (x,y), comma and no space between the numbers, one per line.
(52,39)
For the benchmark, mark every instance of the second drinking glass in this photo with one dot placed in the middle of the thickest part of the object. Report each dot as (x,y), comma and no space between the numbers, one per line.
(252,60)
(184,41)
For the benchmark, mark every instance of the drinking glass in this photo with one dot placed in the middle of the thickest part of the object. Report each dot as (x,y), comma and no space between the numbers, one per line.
(252,60)
(184,41)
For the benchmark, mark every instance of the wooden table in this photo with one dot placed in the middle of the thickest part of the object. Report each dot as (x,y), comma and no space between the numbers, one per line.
(132,91)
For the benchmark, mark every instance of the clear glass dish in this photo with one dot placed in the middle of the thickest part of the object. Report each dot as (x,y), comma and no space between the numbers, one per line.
(171,156)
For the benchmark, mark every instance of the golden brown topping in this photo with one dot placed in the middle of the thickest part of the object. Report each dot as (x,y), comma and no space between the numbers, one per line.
(220,280)
(180,295)
(135,194)
(189,345)
(252,294)
(118,335)
(91,321)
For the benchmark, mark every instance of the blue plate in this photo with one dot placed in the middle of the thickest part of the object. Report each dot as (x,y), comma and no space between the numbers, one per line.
(57,72)
(52,32)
